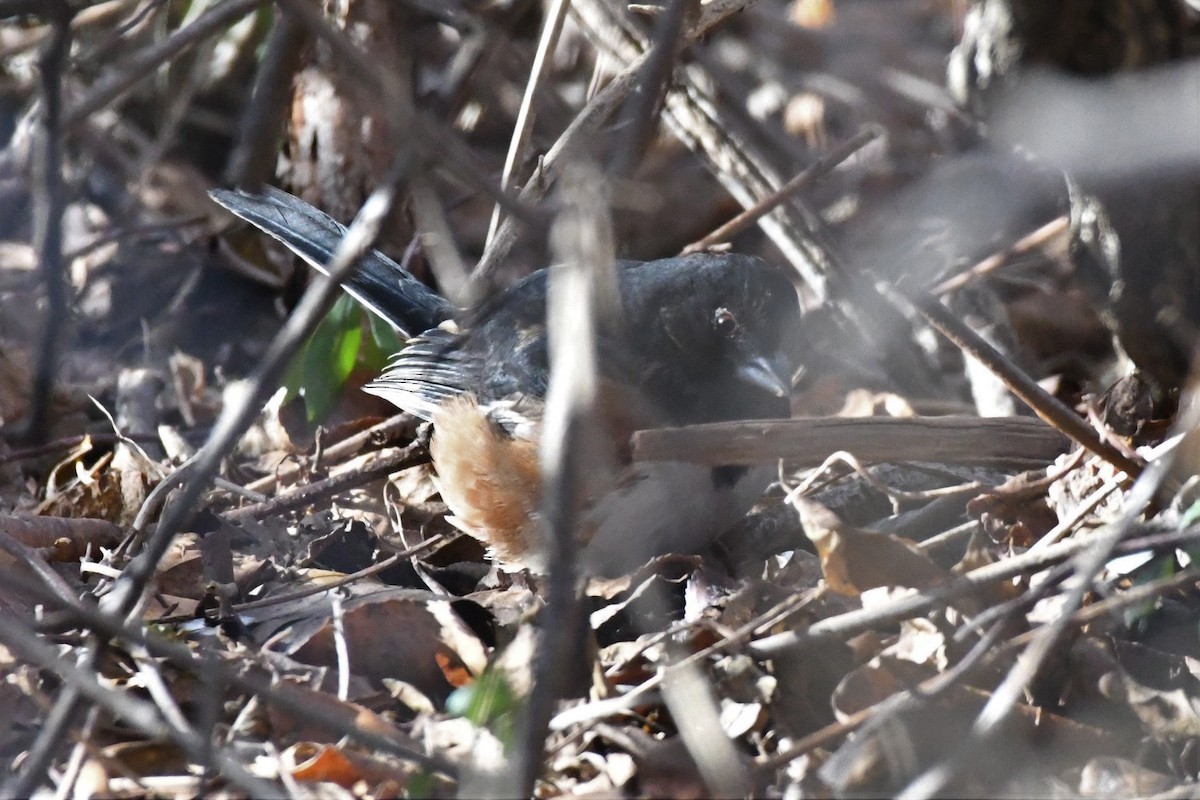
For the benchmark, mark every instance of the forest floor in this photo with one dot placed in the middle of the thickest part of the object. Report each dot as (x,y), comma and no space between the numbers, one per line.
(224,569)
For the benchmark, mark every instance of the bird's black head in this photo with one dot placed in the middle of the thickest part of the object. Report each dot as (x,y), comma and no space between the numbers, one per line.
(710,332)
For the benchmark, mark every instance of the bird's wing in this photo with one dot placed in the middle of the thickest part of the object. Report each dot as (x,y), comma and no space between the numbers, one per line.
(431,369)
(378,282)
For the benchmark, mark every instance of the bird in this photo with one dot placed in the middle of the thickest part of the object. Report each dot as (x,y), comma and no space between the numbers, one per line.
(701,338)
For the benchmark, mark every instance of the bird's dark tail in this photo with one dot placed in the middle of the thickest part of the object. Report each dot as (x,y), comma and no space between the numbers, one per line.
(378,282)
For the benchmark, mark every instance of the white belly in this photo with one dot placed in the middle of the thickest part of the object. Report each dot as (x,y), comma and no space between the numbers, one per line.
(668,507)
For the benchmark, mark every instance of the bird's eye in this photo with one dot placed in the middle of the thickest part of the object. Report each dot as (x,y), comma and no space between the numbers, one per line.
(725,322)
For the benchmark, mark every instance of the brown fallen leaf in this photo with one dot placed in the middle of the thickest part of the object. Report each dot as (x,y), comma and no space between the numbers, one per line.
(63,538)
(315,762)
(402,634)
(978,555)
(287,724)
(854,560)
(812,14)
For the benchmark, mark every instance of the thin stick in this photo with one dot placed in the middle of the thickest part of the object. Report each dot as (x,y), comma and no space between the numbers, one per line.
(807,441)
(1030,241)
(431,543)
(808,175)
(1024,387)
(582,239)
(525,114)
(146,63)
(251,160)
(437,241)
(138,713)
(645,106)
(585,124)
(49,203)
(401,425)
(852,623)
(379,466)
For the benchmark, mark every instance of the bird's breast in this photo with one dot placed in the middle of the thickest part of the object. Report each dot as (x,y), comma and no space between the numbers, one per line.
(629,513)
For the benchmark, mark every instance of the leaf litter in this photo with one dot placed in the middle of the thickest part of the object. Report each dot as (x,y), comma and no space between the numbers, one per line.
(849,639)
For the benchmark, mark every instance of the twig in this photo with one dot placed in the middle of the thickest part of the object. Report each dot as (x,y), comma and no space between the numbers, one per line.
(155,686)
(739,637)
(116,234)
(400,426)
(138,713)
(52,734)
(643,109)
(33,560)
(437,239)
(813,172)
(946,537)
(78,753)
(1070,523)
(340,648)
(690,697)
(1031,241)
(374,733)
(68,443)
(345,580)
(551,28)
(1024,387)
(896,496)
(378,466)
(49,203)
(1088,564)
(1050,579)
(251,160)
(145,63)
(585,125)
(852,623)
(806,441)
(582,239)
(1133,596)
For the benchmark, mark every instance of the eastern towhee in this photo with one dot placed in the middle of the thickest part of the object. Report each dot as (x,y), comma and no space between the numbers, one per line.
(703,338)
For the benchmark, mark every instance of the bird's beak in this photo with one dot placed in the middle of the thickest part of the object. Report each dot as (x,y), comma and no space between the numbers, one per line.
(771,373)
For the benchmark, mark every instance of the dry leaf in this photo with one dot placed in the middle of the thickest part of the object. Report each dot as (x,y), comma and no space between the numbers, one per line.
(812,14)
(855,560)
(1111,776)
(67,539)
(316,762)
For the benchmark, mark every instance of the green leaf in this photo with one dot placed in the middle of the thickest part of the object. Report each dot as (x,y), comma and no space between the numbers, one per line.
(319,371)
(381,345)
(1164,565)
(488,702)
(1190,516)
(420,785)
